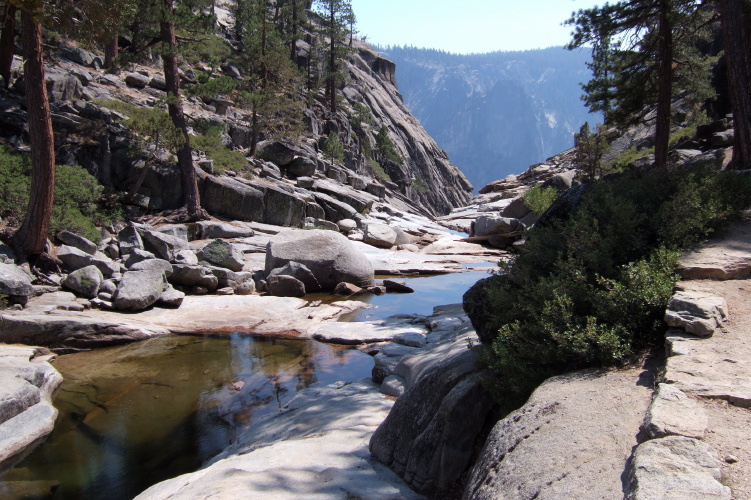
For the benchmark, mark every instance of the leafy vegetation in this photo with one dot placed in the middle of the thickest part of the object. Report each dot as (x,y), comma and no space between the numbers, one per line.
(538,198)
(79,202)
(209,141)
(386,147)
(419,184)
(333,148)
(591,289)
(378,170)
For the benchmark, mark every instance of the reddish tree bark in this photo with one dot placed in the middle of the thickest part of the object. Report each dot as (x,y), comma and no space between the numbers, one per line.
(665,85)
(175,108)
(332,60)
(111,51)
(735,39)
(31,238)
(7,42)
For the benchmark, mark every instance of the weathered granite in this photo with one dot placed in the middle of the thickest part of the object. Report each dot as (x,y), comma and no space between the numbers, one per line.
(673,413)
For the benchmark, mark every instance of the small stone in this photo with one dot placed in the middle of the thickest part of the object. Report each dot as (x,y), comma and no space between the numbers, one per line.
(225,291)
(200,290)
(347,289)
(731,459)
(397,286)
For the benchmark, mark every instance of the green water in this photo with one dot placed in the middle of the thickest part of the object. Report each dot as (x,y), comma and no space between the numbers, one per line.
(134,415)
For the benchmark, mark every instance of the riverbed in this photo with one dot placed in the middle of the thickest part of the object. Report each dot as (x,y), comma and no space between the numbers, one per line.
(134,415)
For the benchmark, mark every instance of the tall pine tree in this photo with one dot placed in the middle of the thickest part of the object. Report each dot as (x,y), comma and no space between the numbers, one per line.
(336,16)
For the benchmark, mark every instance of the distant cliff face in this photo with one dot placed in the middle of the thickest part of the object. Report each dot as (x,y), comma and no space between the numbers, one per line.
(495,114)
(426,177)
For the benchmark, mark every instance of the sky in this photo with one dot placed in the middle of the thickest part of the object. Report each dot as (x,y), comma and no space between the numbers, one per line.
(467,26)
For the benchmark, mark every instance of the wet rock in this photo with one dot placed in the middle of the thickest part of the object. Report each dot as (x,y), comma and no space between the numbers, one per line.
(223,254)
(26,411)
(397,286)
(285,286)
(85,281)
(74,240)
(675,467)
(299,272)
(330,257)
(139,290)
(347,289)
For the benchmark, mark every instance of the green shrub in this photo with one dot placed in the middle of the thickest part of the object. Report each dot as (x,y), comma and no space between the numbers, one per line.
(419,184)
(333,149)
(378,170)
(386,147)
(538,198)
(591,289)
(78,203)
(209,141)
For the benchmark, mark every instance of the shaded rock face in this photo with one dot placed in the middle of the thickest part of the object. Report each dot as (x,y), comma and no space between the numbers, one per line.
(330,256)
(139,290)
(14,281)
(429,435)
(475,302)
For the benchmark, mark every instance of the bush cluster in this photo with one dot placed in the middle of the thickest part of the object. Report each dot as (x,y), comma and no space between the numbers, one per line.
(538,198)
(590,288)
(78,203)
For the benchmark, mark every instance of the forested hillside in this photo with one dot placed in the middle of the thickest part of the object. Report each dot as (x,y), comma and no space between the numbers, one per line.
(495,114)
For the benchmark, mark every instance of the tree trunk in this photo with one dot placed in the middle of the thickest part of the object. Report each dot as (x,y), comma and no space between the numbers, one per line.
(332,60)
(175,108)
(735,39)
(7,42)
(665,85)
(111,51)
(31,238)
(293,44)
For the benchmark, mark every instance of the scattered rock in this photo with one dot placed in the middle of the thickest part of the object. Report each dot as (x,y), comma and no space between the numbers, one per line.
(285,286)
(14,281)
(696,312)
(397,286)
(347,289)
(330,257)
(171,297)
(246,288)
(379,235)
(223,254)
(163,245)
(139,290)
(159,265)
(299,272)
(85,281)
(192,276)
(74,240)
(346,225)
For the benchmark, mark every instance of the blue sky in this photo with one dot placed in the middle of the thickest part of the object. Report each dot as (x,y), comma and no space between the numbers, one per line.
(467,26)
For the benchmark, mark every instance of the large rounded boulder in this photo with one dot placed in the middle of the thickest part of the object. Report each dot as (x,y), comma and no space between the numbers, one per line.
(330,256)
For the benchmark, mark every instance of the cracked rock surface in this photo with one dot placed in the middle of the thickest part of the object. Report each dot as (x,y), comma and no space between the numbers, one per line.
(574,428)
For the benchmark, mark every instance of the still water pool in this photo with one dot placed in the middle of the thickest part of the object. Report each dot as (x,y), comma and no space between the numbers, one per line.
(134,415)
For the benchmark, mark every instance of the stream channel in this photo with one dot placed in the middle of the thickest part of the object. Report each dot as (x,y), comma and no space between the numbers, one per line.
(134,415)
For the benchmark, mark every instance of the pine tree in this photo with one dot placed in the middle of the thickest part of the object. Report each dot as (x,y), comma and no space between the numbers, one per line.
(336,15)
(656,54)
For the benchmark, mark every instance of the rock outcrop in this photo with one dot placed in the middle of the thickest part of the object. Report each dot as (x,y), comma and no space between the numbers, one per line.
(26,411)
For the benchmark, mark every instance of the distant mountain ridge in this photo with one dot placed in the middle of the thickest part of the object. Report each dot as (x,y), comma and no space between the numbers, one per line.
(495,114)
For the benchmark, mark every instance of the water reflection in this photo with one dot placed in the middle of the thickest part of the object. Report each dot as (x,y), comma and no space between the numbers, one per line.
(134,415)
